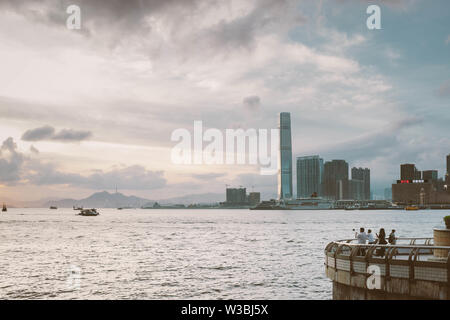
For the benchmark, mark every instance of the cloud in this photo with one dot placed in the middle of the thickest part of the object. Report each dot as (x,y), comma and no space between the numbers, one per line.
(252,103)
(69,135)
(48,133)
(42,133)
(208,176)
(18,169)
(11,162)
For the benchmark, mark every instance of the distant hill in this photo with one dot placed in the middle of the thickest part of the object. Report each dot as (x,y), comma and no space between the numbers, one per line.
(101,200)
(202,198)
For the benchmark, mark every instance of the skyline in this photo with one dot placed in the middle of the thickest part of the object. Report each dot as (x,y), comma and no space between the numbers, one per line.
(91,109)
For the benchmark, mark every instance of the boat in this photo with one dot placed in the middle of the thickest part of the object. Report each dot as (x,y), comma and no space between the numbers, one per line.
(88,212)
(4,208)
(53,207)
(77,208)
(311,203)
(353,207)
(411,208)
(269,205)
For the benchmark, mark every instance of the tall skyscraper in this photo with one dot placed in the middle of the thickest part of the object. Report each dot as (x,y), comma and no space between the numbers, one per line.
(335,179)
(309,176)
(447,175)
(448,164)
(285,157)
(362,175)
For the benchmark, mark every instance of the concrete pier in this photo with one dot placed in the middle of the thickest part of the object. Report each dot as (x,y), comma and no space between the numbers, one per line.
(414,268)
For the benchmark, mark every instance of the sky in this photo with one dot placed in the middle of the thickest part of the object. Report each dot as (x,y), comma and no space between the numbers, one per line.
(91,109)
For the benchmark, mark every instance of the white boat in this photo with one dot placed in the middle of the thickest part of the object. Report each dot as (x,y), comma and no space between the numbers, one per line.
(311,203)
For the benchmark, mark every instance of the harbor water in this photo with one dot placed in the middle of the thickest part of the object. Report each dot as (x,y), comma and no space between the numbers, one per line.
(182,254)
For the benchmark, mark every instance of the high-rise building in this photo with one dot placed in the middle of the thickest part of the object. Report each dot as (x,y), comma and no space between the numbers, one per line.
(448,164)
(309,176)
(408,171)
(447,175)
(356,190)
(236,195)
(335,171)
(254,198)
(430,175)
(363,175)
(418,175)
(285,157)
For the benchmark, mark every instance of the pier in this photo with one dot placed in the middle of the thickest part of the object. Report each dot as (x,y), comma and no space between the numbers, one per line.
(414,268)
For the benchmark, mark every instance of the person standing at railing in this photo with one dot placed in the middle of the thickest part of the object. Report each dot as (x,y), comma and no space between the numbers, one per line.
(370,237)
(392,239)
(361,236)
(381,239)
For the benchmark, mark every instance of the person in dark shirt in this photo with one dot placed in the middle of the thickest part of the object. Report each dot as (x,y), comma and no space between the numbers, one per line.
(381,239)
(392,239)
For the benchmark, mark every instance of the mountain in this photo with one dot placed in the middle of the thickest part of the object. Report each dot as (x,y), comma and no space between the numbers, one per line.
(201,198)
(101,200)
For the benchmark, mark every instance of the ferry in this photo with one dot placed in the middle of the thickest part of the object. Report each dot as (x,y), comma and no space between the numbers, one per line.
(311,203)
(270,205)
(89,212)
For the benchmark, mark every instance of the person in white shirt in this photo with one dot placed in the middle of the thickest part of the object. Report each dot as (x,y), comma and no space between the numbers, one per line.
(362,236)
(370,237)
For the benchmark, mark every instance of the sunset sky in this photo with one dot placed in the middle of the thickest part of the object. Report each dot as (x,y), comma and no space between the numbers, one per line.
(85,110)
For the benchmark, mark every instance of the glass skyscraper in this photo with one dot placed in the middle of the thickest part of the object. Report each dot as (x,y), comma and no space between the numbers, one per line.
(309,176)
(285,157)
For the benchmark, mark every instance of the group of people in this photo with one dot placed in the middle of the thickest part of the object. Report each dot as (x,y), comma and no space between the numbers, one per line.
(364,238)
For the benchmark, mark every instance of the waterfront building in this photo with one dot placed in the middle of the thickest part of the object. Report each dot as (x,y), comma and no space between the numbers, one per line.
(335,181)
(419,191)
(357,190)
(364,176)
(309,176)
(408,171)
(430,175)
(236,195)
(254,198)
(285,157)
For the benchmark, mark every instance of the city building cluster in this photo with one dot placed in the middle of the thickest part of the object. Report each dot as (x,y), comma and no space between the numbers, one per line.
(421,187)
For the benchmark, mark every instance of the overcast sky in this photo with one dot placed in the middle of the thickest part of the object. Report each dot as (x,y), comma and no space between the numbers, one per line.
(86,110)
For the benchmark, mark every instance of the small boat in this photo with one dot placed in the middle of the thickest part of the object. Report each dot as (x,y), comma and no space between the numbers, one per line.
(89,212)
(77,208)
(353,207)
(412,208)
(4,208)
(53,207)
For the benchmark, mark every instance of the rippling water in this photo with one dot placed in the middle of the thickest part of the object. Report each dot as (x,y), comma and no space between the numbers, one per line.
(181,254)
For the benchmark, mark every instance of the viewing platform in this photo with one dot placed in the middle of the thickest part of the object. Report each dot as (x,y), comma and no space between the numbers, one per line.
(413,268)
